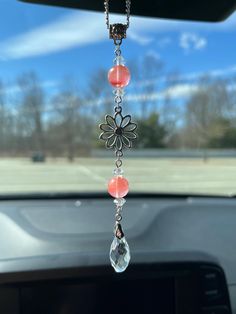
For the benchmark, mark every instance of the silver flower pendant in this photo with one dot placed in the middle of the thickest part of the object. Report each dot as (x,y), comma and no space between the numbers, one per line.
(118,131)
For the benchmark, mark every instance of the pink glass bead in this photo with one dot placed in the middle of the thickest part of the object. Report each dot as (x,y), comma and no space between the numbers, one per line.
(119,76)
(118,187)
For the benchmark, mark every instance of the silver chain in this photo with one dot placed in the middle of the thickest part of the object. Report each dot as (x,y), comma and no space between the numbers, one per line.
(118,109)
(117,51)
(119,155)
(118,214)
(127,10)
(128,4)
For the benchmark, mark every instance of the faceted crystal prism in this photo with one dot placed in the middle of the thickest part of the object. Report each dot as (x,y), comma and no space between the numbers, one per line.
(119,254)
(118,172)
(119,60)
(119,92)
(119,202)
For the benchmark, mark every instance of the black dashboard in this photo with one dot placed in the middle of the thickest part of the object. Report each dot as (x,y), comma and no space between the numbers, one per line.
(168,288)
(54,256)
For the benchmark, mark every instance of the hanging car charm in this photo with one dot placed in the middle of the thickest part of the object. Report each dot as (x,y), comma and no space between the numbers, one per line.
(118,133)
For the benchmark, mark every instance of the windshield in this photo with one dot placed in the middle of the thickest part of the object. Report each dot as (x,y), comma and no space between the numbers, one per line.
(54,93)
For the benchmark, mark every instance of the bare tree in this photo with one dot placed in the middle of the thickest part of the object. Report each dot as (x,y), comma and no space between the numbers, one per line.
(206,111)
(7,130)
(71,129)
(2,118)
(147,80)
(98,97)
(31,111)
(170,111)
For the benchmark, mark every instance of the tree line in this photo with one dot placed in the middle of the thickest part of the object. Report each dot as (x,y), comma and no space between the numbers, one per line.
(64,124)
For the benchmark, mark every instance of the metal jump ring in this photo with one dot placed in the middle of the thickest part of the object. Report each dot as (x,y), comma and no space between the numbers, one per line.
(118,163)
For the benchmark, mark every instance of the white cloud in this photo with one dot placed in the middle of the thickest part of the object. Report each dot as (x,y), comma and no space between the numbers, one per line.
(154,54)
(192,41)
(194,76)
(223,72)
(178,91)
(181,90)
(84,28)
(142,40)
(69,31)
(14,88)
(164,42)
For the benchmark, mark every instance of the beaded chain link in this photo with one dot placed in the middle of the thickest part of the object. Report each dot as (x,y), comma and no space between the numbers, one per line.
(118,132)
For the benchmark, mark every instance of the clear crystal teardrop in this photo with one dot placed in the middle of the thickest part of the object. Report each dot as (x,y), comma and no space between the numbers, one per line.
(119,254)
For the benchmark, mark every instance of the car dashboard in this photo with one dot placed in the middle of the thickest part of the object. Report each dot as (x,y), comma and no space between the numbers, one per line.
(54,256)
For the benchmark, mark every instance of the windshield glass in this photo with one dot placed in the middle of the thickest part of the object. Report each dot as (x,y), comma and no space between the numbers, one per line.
(54,93)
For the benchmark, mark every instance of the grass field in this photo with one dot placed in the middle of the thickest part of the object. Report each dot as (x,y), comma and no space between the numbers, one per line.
(217,176)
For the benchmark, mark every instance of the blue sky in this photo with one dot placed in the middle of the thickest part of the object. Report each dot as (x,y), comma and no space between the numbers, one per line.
(56,42)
